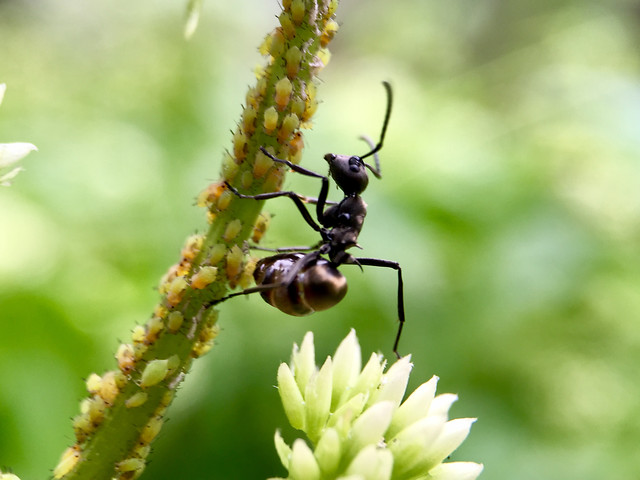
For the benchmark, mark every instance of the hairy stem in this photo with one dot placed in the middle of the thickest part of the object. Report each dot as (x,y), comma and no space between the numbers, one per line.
(125,409)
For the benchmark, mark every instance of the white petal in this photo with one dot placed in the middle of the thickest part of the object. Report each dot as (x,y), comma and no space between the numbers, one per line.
(412,444)
(343,417)
(303,464)
(3,88)
(415,407)
(328,451)
(371,375)
(453,434)
(347,363)
(5,180)
(369,427)
(317,397)
(372,463)
(284,450)
(291,397)
(303,361)
(394,382)
(10,153)
(456,471)
(441,405)
(193,16)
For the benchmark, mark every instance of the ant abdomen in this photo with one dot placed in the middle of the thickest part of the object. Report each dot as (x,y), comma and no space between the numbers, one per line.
(318,285)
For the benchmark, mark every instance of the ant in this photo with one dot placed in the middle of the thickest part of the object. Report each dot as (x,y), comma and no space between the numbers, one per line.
(299,283)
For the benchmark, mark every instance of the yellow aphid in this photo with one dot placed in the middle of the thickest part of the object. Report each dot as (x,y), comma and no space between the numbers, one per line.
(270,119)
(136,400)
(277,43)
(131,468)
(224,200)
(126,358)
(297,106)
(261,225)
(96,408)
(288,28)
(328,33)
(174,321)
(286,4)
(261,164)
(229,169)
(154,373)
(239,145)
(155,326)
(324,55)
(93,383)
(246,277)
(141,451)
(265,45)
(249,119)
(138,334)
(289,124)
(259,70)
(247,179)
(283,92)
(82,427)
(205,341)
(160,311)
(192,246)
(109,388)
(297,11)
(262,86)
(234,227)
(217,253)
(167,398)
(274,180)
(203,277)
(296,144)
(175,291)
(139,349)
(293,57)
(68,460)
(252,98)
(84,405)
(234,263)
(151,430)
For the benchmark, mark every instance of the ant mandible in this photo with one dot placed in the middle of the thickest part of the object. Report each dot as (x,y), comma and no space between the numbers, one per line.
(299,283)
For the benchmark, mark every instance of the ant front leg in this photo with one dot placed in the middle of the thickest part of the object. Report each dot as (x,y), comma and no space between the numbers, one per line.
(292,195)
(324,189)
(377,262)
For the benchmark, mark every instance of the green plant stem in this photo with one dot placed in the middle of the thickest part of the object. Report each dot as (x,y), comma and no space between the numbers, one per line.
(125,408)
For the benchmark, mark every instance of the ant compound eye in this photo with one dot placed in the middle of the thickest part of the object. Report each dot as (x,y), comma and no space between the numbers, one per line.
(330,157)
(355,164)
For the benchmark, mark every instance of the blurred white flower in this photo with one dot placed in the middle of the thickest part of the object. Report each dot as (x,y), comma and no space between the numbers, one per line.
(358,425)
(11,153)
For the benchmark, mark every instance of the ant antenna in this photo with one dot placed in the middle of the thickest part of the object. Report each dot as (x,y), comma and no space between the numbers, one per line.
(376,171)
(377,148)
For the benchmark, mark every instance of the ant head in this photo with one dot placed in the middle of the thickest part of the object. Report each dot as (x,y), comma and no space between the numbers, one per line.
(348,172)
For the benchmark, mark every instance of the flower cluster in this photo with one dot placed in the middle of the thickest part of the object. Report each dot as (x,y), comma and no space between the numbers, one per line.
(11,153)
(358,425)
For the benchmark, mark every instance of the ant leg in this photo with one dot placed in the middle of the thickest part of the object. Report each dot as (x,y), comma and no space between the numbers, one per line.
(324,189)
(292,195)
(314,201)
(291,275)
(377,262)
(283,249)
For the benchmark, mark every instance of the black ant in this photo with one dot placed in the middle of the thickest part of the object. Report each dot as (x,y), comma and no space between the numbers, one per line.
(299,283)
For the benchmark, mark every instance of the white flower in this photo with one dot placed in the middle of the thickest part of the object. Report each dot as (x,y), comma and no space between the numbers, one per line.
(358,425)
(11,153)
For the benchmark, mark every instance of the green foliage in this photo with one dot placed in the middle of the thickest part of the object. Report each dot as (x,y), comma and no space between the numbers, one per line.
(509,195)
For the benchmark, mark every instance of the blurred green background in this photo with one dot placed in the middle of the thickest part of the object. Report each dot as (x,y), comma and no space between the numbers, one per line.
(510,196)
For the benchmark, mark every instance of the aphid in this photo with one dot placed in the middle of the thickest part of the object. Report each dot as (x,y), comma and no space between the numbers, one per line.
(301,280)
